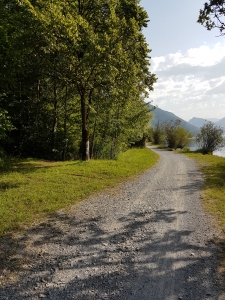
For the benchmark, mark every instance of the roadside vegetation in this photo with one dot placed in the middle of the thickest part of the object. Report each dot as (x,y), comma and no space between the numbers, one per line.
(210,138)
(170,134)
(74,75)
(32,189)
(213,168)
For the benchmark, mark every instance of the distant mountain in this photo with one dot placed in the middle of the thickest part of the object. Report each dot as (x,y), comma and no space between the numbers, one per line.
(198,122)
(221,123)
(213,120)
(161,116)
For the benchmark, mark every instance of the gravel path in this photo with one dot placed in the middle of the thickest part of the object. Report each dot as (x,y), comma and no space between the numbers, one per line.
(149,239)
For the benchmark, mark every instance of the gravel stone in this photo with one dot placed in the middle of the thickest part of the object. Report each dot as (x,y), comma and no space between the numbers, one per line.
(148,239)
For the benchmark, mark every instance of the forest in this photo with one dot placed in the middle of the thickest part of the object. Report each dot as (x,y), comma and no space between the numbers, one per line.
(74,76)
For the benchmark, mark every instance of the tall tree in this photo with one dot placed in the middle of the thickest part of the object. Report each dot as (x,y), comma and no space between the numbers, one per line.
(60,55)
(111,50)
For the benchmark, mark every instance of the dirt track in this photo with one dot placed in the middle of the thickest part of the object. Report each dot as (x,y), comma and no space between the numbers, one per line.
(148,240)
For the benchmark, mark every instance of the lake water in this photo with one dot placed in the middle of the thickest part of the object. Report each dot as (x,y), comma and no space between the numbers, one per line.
(219,152)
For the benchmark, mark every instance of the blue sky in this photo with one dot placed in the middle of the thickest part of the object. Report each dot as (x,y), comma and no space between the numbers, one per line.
(188,60)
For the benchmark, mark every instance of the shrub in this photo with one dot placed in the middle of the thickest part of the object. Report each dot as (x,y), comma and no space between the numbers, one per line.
(175,135)
(182,137)
(210,138)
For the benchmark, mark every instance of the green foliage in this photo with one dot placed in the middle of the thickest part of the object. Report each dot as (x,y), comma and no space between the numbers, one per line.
(5,127)
(176,136)
(158,135)
(186,150)
(182,137)
(5,123)
(213,15)
(170,129)
(210,138)
(31,189)
(73,75)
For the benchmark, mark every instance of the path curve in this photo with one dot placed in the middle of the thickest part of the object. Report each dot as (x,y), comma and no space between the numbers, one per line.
(150,240)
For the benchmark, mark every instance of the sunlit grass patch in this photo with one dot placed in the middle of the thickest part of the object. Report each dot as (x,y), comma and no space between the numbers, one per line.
(31,189)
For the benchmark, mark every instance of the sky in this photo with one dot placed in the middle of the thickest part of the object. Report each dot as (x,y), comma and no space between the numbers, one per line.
(188,60)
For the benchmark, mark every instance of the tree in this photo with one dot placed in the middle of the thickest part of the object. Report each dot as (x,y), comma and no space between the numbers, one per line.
(210,138)
(112,56)
(158,134)
(213,15)
(73,72)
(175,135)
(5,126)
(182,137)
(170,128)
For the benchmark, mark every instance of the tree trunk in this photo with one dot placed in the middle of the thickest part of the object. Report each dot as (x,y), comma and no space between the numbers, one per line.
(85,133)
(38,114)
(38,104)
(55,118)
(65,126)
(115,136)
(94,132)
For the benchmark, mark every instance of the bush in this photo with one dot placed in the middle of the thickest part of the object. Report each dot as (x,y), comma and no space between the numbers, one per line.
(182,137)
(175,135)
(210,138)
(186,150)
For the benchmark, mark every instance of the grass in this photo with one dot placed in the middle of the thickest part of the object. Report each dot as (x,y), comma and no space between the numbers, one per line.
(32,189)
(213,167)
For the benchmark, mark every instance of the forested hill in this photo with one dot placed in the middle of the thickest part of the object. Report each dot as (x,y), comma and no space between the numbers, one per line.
(73,78)
(199,122)
(161,116)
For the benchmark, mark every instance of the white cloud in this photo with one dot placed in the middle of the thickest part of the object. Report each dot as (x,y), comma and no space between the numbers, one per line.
(156,62)
(192,83)
(204,56)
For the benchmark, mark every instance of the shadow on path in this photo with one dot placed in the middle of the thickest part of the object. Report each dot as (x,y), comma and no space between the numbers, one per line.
(88,260)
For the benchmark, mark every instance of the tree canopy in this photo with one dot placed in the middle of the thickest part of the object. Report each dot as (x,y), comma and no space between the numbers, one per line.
(74,75)
(213,15)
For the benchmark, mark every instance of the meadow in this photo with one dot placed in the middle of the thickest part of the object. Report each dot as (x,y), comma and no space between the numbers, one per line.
(33,189)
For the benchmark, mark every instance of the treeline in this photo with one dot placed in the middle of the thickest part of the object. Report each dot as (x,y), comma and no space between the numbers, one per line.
(73,77)
(171,134)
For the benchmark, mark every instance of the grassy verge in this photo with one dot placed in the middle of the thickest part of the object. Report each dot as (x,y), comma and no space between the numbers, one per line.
(31,189)
(213,194)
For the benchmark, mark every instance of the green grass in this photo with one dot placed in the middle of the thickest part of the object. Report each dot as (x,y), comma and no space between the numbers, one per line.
(32,189)
(213,167)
